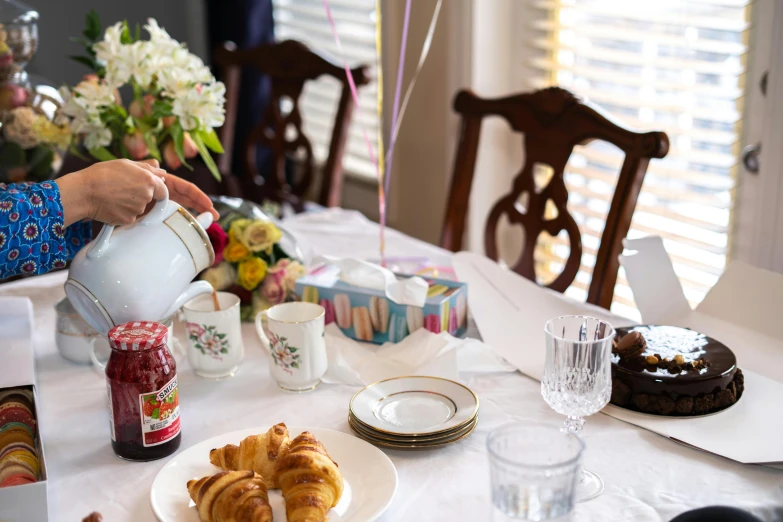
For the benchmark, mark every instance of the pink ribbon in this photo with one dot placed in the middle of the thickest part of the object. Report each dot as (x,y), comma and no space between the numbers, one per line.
(370,150)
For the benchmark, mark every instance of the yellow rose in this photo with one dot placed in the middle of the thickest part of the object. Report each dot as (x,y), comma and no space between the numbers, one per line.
(236,229)
(260,235)
(235,251)
(251,272)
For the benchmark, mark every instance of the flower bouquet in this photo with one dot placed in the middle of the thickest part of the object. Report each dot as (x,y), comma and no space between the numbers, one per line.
(33,140)
(176,102)
(250,263)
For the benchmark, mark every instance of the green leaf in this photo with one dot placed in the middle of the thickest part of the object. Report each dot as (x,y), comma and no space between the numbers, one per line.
(85,60)
(204,152)
(294,365)
(221,336)
(138,32)
(293,350)
(102,154)
(211,140)
(224,350)
(92,30)
(72,149)
(178,137)
(152,144)
(125,36)
(155,413)
(161,108)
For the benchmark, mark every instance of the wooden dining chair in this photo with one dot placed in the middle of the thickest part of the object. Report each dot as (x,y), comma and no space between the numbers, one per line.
(289,66)
(553,121)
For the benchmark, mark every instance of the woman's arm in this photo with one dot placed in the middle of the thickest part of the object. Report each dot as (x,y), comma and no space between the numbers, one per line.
(43,225)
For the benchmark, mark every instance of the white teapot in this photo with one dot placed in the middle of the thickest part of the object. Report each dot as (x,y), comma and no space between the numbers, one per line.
(143,271)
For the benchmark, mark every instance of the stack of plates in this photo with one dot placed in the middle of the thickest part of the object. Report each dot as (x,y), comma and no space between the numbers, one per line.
(413,412)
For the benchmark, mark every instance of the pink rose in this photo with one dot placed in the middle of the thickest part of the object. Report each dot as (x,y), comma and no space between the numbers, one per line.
(137,147)
(272,290)
(189,147)
(142,109)
(219,240)
(170,156)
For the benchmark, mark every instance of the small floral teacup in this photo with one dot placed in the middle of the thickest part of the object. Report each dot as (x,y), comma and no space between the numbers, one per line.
(295,344)
(215,347)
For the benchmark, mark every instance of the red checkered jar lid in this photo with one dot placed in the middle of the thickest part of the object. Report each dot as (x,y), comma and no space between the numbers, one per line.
(137,336)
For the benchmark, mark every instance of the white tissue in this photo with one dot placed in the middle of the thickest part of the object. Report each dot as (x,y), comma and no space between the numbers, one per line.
(406,291)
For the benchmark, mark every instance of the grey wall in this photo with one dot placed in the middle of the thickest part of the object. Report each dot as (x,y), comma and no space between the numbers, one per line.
(62,19)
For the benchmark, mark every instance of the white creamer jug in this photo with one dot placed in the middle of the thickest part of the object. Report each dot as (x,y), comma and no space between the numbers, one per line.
(143,271)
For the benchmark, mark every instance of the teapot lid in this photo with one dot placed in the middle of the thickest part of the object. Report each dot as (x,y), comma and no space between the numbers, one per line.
(137,336)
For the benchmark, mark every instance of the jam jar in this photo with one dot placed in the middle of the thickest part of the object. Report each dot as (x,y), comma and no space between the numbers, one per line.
(141,377)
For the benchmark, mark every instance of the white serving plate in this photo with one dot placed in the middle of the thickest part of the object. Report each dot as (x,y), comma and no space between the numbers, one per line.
(414,405)
(370,477)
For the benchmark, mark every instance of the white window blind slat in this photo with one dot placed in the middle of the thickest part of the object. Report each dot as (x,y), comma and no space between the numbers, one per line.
(305,21)
(678,68)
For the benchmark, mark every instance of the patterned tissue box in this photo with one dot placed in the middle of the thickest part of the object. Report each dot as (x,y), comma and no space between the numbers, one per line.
(367,315)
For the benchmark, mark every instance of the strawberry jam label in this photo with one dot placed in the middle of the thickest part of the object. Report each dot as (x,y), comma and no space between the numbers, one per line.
(160,414)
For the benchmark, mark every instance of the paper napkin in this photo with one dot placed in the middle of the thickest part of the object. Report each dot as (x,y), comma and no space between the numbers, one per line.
(363,274)
(421,353)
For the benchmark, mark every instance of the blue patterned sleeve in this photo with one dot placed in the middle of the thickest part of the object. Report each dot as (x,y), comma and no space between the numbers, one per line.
(32,237)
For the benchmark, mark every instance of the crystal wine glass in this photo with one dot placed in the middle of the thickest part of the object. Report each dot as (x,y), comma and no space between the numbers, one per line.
(577,379)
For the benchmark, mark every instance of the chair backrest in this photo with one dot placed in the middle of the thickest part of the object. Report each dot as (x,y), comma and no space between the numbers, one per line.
(553,121)
(288,65)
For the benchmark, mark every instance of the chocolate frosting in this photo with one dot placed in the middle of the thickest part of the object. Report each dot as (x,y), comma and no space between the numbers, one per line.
(668,342)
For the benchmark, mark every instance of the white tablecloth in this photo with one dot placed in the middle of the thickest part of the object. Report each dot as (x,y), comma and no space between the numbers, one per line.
(648,478)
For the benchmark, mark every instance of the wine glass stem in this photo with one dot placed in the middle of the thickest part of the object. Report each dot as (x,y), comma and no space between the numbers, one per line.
(574,425)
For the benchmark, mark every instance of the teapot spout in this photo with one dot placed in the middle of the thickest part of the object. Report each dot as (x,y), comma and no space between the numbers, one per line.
(193,290)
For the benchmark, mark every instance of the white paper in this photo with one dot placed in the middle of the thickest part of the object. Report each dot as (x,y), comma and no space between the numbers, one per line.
(420,353)
(510,312)
(406,291)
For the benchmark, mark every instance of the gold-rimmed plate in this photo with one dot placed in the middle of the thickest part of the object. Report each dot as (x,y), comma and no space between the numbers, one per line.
(356,426)
(415,445)
(414,406)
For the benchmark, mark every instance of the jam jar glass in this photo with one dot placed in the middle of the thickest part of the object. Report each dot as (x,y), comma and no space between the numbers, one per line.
(141,378)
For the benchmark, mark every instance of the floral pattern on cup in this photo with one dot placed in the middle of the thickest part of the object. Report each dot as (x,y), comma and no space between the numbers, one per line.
(208,340)
(283,354)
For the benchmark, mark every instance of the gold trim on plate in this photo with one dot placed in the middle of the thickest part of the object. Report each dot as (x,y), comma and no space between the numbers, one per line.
(462,424)
(413,446)
(412,440)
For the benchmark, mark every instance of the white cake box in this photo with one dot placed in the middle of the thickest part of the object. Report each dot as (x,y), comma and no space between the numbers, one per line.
(28,502)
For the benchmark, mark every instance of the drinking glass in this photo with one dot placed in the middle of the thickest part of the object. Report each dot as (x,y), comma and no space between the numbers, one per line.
(577,379)
(534,469)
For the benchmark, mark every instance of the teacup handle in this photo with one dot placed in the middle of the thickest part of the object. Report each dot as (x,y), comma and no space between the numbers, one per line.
(94,358)
(260,331)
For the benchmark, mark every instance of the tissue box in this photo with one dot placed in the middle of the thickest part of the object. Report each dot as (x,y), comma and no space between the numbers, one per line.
(367,315)
(25,502)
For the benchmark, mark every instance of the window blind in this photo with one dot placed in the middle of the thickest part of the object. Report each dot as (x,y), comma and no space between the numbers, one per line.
(675,66)
(305,21)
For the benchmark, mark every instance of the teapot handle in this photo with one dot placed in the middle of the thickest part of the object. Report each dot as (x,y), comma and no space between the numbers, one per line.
(156,215)
(158,212)
(101,242)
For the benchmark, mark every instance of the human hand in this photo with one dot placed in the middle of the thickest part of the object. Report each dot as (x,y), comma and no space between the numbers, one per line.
(119,191)
(114,192)
(183,192)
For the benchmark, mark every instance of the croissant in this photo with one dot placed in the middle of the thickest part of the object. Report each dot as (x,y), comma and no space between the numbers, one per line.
(231,496)
(258,453)
(310,480)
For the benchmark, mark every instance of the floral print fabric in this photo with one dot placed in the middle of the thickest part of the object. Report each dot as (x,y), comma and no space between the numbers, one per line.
(32,237)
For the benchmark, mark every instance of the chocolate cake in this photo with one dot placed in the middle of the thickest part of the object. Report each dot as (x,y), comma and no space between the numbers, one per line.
(667,370)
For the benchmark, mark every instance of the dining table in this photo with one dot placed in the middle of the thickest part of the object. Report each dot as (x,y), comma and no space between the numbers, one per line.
(648,478)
